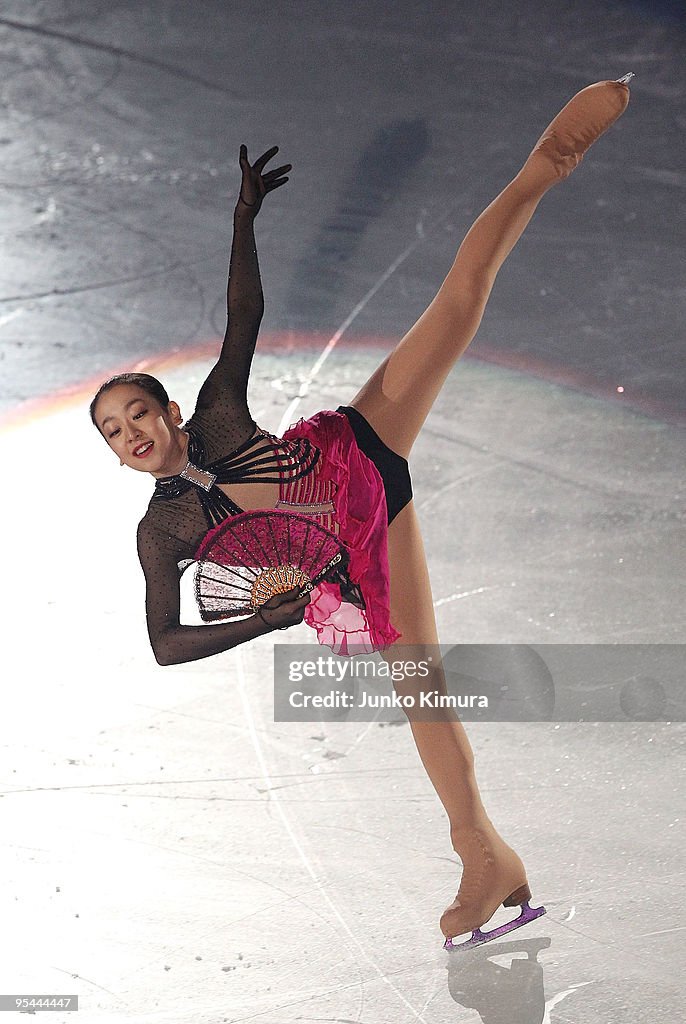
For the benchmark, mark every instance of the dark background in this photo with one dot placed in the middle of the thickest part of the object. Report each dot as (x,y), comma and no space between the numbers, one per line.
(121,124)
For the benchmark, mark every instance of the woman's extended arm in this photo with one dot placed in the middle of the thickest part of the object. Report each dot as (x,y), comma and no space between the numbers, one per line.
(244,298)
(173,643)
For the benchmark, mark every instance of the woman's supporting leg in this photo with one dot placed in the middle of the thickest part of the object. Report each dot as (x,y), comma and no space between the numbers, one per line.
(399,394)
(491,869)
(443,745)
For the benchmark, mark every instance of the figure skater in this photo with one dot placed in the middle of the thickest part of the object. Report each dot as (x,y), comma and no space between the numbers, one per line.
(346,470)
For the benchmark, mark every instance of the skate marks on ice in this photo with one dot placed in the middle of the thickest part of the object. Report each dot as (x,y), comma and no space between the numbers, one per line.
(290,830)
(566,534)
(554,1000)
(311,375)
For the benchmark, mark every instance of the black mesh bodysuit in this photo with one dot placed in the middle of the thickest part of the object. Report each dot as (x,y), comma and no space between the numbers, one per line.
(228,447)
(221,428)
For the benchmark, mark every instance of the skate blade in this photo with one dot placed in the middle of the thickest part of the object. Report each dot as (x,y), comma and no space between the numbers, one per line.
(478,937)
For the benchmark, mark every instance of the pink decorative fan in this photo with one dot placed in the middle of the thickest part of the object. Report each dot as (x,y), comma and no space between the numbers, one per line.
(248,558)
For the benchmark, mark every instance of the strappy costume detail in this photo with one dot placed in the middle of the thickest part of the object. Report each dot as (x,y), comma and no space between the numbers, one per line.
(265,464)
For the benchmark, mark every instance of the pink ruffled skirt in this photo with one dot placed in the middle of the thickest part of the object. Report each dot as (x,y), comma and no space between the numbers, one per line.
(357,492)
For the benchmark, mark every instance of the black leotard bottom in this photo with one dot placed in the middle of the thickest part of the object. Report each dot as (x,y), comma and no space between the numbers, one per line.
(393,468)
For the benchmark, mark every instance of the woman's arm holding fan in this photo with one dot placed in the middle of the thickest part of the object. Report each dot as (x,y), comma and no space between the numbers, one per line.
(174,644)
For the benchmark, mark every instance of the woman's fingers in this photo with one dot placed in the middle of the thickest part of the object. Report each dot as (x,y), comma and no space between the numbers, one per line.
(278,172)
(262,160)
(291,597)
(282,598)
(286,608)
(255,184)
(276,178)
(269,187)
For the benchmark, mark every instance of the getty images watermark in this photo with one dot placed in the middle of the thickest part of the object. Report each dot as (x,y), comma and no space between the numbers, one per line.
(481,682)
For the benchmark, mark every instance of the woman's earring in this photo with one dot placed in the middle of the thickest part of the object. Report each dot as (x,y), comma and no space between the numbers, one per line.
(121,463)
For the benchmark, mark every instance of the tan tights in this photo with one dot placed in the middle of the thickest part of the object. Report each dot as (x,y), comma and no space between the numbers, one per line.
(398,396)
(396,400)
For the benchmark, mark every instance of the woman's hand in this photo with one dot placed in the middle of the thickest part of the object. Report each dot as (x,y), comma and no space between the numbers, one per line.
(283,610)
(255,184)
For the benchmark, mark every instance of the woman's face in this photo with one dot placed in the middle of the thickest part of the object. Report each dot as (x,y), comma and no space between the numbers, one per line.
(140,431)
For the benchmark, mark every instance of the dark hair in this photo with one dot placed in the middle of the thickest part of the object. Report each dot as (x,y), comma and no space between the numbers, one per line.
(144,380)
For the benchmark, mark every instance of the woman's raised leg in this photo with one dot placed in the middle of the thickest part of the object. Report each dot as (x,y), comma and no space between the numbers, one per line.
(398,396)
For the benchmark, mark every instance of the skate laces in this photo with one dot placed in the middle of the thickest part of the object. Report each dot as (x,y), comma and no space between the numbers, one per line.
(472,884)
